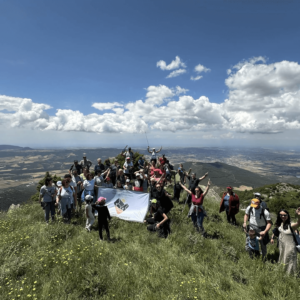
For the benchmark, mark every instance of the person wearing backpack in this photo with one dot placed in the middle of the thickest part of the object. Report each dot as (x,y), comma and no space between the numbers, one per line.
(287,241)
(260,220)
(230,203)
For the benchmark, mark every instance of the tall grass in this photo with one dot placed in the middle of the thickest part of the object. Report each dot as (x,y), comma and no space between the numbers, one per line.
(63,261)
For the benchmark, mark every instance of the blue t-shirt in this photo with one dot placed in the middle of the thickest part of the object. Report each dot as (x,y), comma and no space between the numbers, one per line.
(252,244)
(226,201)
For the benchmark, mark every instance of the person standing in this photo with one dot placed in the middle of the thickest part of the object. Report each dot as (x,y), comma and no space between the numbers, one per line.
(287,240)
(85,163)
(230,203)
(153,153)
(66,195)
(260,220)
(90,219)
(103,216)
(178,181)
(99,167)
(128,167)
(193,183)
(263,204)
(48,193)
(77,167)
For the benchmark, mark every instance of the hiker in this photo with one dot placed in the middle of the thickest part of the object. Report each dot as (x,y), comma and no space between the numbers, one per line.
(103,216)
(85,163)
(121,176)
(128,167)
(260,221)
(196,211)
(119,185)
(99,181)
(74,186)
(252,242)
(99,167)
(77,167)
(85,171)
(77,182)
(89,187)
(128,153)
(107,182)
(90,219)
(141,163)
(287,240)
(138,181)
(162,160)
(160,221)
(66,196)
(263,204)
(179,180)
(127,185)
(113,171)
(48,193)
(153,154)
(230,203)
(193,183)
(164,198)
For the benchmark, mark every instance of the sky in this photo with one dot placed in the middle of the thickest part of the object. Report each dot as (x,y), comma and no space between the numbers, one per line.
(172,73)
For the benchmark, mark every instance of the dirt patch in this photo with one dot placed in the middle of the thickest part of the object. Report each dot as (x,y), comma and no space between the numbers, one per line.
(243,188)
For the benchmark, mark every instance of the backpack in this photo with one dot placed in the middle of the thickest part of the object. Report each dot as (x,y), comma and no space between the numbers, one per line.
(262,214)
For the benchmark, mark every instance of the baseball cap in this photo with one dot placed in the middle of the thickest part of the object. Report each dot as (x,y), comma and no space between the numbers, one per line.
(229,188)
(255,203)
(193,174)
(127,180)
(75,161)
(153,201)
(88,197)
(84,154)
(101,199)
(58,183)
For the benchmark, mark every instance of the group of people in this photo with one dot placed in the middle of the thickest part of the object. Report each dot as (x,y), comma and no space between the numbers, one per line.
(81,185)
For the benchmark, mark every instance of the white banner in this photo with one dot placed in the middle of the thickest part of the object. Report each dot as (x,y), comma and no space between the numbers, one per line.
(124,204)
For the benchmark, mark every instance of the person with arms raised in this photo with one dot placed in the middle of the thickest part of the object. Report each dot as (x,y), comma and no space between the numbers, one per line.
(153,153)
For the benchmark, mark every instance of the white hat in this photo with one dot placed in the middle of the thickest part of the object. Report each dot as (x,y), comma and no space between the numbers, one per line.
(127,180)
(88,197)
(58,183)
(257,194)
(84,154)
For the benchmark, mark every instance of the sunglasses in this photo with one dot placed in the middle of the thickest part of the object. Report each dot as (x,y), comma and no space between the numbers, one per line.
(283,215)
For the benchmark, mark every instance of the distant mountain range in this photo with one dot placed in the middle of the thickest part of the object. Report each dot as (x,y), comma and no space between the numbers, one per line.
(11,147)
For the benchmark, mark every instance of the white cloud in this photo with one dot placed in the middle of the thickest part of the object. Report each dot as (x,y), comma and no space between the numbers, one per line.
(175,64)
(262,98)
(199,69)
(176,73)
(107,105)
(196,78)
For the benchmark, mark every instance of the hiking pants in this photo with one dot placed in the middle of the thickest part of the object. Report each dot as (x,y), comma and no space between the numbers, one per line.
(198,220)
(50,206)
(253,253)
(231,218)
(105,226)
(177,190)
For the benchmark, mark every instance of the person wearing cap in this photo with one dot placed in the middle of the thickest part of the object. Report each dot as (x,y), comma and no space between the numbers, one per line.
(196,211)
(160,221)
(263,204)
(153,153)
(260,220)
(76,179)
(103,216)
(193,183)
(48,193)
(127,185)
(127,153)
(76,166)
(128,167)
(74,186)
(85,163)
(99,166)
(108,183)
(139,181)
(90,219)
(230,203)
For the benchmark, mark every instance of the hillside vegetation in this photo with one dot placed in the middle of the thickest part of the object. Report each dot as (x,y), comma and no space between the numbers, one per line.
(62,261)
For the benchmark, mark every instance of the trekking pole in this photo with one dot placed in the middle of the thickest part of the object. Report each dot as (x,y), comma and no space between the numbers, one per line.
(146,138)
(187,197)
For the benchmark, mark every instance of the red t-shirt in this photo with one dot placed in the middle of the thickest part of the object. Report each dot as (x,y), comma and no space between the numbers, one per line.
(197,201)
(162,160)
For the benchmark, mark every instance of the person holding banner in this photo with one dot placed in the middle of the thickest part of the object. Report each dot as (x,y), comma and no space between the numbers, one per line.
(160,221)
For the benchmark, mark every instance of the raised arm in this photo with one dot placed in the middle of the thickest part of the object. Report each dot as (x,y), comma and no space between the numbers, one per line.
(159,149)
(160,179)
(201,178)
(297,224)
(186,189)
(148,150)
(207,188)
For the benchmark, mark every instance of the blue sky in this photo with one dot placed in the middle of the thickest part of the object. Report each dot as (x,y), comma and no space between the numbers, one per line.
(71,54)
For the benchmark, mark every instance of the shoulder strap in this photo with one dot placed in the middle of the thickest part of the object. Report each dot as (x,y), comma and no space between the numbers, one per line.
(250,211)
(294,237)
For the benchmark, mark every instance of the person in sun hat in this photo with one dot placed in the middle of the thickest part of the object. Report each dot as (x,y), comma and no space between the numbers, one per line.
(103,216)
(160,221)
(260,220)
(263,204)
(230,203)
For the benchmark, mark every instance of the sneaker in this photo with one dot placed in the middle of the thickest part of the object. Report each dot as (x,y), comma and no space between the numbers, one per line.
(96,213)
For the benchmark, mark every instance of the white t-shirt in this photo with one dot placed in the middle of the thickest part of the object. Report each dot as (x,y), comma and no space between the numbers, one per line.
(153,154)
(255,216)
(99,180)
(89,185)
(127,166)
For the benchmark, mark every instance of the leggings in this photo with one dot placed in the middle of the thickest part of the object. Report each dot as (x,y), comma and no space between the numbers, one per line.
(105,225)
(230,218)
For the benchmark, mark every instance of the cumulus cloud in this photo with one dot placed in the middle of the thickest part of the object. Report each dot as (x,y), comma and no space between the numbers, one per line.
(196,78)
(107,105)
(262,98)
(199,69)
(175,64)
(176,73)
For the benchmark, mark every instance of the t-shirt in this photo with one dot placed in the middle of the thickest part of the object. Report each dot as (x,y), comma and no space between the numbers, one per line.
(98,168)
(158,215)
(145,183)
(138,185)
(252,244)
(89,185)
(47,193)
(197,201)
(153,155)
(141,162)
(108,185)
(162,160)
(127,166)
(255,216)
(66,193)
(78,168)
(76,179)
(88,208)
(99,180)
(179,178)
(226,200)
(193,182)
(86,163)
(130,154)
(122,179)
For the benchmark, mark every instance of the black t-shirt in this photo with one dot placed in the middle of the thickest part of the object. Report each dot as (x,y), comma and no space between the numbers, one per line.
(78,168)
(158,215)
(193,183)
(122,179)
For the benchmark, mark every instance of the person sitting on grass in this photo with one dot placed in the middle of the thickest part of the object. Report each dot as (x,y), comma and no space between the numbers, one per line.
(252,242)
(48,192)
(103,216)
(90,219)
(160,221)
(197,212)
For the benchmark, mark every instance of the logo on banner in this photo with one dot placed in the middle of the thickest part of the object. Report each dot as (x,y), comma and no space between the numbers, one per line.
(120,205)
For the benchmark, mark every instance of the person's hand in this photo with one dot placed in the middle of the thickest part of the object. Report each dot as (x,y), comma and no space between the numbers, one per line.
(244,225)
(190,169)
(262,233)
(209,183)
(206,174)
(157,225)
(298,211)
(272,241)
(56,204)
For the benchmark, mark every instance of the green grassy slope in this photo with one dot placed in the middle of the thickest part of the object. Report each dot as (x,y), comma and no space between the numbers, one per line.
(63,261)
